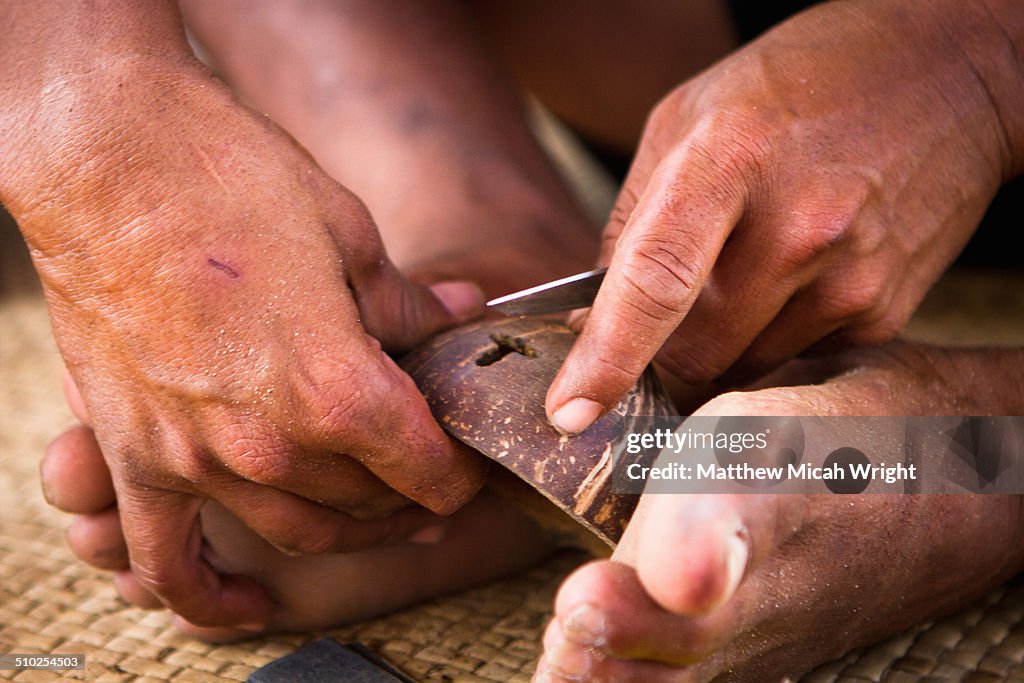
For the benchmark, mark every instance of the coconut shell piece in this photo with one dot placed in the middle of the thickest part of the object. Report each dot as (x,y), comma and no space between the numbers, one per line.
(486,383)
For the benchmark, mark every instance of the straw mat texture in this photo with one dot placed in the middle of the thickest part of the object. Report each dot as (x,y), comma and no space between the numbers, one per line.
(50,603)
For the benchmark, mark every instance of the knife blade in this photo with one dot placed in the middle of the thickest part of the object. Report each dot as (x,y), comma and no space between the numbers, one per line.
(575,291)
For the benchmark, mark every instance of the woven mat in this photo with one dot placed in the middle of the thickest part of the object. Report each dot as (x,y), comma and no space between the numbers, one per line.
(50,603)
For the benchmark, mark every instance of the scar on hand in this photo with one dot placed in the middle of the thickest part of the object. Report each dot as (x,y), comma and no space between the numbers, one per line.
(223,267)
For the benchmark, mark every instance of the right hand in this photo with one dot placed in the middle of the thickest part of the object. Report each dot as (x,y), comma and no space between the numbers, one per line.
(804,193)
(222,305)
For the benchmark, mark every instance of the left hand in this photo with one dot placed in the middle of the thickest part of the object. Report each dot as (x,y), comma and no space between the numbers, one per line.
(813,185)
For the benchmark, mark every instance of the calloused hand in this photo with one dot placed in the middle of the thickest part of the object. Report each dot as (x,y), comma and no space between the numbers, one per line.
(225,308)
(810,187)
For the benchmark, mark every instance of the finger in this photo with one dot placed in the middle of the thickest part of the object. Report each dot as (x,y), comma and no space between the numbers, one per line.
(819,318)
(164,540)
(401,313)
(754,278)
(385,424)
(74,475)
(297,526)
(327,478)
(786,337)
(660,264)
(74,398)
(97,540)
(132,591)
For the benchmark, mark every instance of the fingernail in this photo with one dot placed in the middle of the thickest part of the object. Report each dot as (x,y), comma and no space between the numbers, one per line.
(252,627)
(586,626)
(576,415)
(735,566)
(428,535)
(464,300)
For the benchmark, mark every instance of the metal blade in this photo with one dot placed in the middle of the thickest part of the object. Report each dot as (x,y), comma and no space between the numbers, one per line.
(575,291)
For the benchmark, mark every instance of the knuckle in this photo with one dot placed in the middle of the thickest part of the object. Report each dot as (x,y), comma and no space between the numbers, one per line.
(659,276)
(333,399)
(666,111)
(734,139)
(859,298)
(813,233)
(193,465)
(261,461)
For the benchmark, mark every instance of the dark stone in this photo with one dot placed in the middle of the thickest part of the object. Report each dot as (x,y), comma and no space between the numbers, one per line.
(328,661)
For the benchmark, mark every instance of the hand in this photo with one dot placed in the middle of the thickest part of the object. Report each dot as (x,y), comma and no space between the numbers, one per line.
(812,186)
(219,301)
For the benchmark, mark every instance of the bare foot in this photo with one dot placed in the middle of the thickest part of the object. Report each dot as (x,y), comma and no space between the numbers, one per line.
(764,587)
(487,539)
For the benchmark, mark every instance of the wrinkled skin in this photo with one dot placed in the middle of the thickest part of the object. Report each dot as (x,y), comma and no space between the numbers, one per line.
(225,306)
(806,191)
(760,587)
(224,311)
(742,164)
(702,587)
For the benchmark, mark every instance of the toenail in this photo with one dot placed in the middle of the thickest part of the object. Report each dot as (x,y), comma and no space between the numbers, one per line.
(47,492)
(736,565)
(569,662)
(576,415)
(586,626)
(252,627)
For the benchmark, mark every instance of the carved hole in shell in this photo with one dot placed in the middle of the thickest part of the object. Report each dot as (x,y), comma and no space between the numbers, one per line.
(503,346)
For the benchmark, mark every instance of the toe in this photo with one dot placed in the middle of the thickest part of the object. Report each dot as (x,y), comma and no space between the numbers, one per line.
(565,662)
(216,634)
(692,552)
(75,477)
(603,608)
(623,671)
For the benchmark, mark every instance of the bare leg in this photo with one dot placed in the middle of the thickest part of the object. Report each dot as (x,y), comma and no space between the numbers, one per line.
(402,103)
(601,65)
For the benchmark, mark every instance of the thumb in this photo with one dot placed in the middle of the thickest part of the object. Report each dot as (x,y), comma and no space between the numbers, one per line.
(659,265)
(401,313)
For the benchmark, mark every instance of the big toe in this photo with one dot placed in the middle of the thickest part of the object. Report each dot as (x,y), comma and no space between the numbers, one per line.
(607,627)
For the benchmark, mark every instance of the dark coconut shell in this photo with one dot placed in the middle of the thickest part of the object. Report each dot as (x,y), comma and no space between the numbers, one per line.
(486,384)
